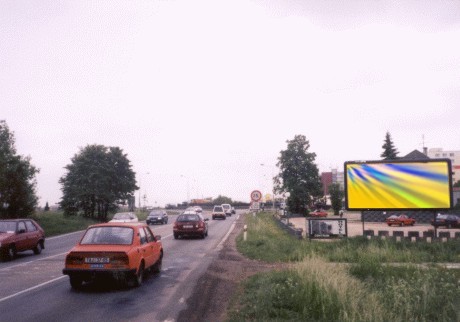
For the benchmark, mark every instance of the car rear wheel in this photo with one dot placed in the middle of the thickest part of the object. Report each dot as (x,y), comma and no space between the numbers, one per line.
(75,282)
(139,276)
(38,248)
(176,236)
(157,266)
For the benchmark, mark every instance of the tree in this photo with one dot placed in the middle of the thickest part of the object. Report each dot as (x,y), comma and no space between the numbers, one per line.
(221,200)
(457,184)
(299,175)
(336,194)
(98,180)
(389,150)
(47,207)
(17,179)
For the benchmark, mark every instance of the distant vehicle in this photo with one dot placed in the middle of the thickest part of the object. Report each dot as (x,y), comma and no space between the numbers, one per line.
(318,213)
(198,209)
(227,209)
(449,221)
(218,212)
(190,223)
(122,251)
(157,217)
(19,235)
(400,220)
(233,211)
(124,217)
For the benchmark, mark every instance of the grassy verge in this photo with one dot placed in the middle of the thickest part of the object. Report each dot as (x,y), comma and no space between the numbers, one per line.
(349,280)
(55,223)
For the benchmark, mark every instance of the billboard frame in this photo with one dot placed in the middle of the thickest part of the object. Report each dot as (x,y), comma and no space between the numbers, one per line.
(400,161)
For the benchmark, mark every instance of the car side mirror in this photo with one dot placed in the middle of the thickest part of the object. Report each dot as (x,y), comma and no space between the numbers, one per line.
(206,219)
(157,237)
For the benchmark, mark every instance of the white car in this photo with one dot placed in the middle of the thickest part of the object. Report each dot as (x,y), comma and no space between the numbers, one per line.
(227,209)
(125,217)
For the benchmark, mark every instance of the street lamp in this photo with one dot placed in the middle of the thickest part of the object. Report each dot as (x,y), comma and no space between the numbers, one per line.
(145,192)
(273,185)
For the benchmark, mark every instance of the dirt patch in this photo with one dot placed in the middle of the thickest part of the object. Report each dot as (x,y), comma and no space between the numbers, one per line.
(211,298)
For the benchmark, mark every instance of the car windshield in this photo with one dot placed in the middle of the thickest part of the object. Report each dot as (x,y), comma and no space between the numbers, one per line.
(188,218)
(108,236)
(7,226)
(156,213)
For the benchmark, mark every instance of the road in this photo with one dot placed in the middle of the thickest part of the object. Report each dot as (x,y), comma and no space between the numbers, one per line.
(34,289)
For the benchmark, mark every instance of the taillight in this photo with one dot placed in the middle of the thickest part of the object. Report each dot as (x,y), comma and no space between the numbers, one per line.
(119,260)
(72,259)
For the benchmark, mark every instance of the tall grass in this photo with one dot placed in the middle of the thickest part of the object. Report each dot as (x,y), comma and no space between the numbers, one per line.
(353,279)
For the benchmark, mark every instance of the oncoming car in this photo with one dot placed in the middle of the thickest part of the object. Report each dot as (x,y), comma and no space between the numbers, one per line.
(157,216)
(122,251)
(19,235)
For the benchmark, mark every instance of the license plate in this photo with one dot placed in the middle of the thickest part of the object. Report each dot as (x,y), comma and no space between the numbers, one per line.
(97,265)
(188,226)
(97,260)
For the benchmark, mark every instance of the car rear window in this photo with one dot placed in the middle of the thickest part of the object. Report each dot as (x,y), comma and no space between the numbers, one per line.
(188,218)
(108,236)
(218,209)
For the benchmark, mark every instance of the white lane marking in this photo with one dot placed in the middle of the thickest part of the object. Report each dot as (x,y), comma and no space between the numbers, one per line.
(226,235)
(31,288)
(33,261)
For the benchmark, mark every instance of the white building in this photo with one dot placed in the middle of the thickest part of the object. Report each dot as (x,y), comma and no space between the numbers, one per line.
(454,156)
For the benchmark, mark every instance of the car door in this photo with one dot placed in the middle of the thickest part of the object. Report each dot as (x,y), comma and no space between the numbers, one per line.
(21,239)
(147,249)
(155,247)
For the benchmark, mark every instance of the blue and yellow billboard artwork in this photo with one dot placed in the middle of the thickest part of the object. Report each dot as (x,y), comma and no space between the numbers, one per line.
(398,185)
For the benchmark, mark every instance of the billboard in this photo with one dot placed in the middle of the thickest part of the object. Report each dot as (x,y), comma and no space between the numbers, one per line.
(327,228)
(398,185)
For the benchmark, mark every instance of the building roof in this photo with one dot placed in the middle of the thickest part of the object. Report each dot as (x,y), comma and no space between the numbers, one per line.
(415,155)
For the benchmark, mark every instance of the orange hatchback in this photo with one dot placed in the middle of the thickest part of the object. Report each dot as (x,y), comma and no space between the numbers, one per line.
(400,220)
(123,251)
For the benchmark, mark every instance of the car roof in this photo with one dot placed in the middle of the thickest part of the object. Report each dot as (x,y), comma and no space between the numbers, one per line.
(120,224)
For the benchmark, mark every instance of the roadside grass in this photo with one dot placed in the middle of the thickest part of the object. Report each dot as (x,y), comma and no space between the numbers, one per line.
(55,223)
(267,242)
(346,280)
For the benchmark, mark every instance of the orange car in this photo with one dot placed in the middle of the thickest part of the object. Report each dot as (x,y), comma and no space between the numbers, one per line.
(400,220)
(123,251)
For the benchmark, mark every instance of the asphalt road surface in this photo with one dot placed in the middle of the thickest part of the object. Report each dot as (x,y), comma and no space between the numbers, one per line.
(33,288)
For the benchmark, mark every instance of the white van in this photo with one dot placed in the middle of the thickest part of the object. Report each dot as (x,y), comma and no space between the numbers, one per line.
(227,208)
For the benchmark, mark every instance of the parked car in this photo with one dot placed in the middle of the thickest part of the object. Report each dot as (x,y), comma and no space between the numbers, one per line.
(400,220)
(122,251)
(190,223)
(227,209)
(449,221)
(157,216)
(124,217)
(218,212)
(318,213)
(19,235)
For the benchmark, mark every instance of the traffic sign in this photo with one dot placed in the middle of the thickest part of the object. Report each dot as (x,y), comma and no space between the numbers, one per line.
(256,195)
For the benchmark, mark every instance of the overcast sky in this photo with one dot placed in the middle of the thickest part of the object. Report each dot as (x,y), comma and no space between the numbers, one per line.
(199,94)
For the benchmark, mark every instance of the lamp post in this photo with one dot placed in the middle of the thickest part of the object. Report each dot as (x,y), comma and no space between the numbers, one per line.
(145,191)
(273,185)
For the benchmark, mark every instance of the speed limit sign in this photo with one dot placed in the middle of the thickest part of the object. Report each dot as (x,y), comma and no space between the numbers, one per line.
(256,195)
